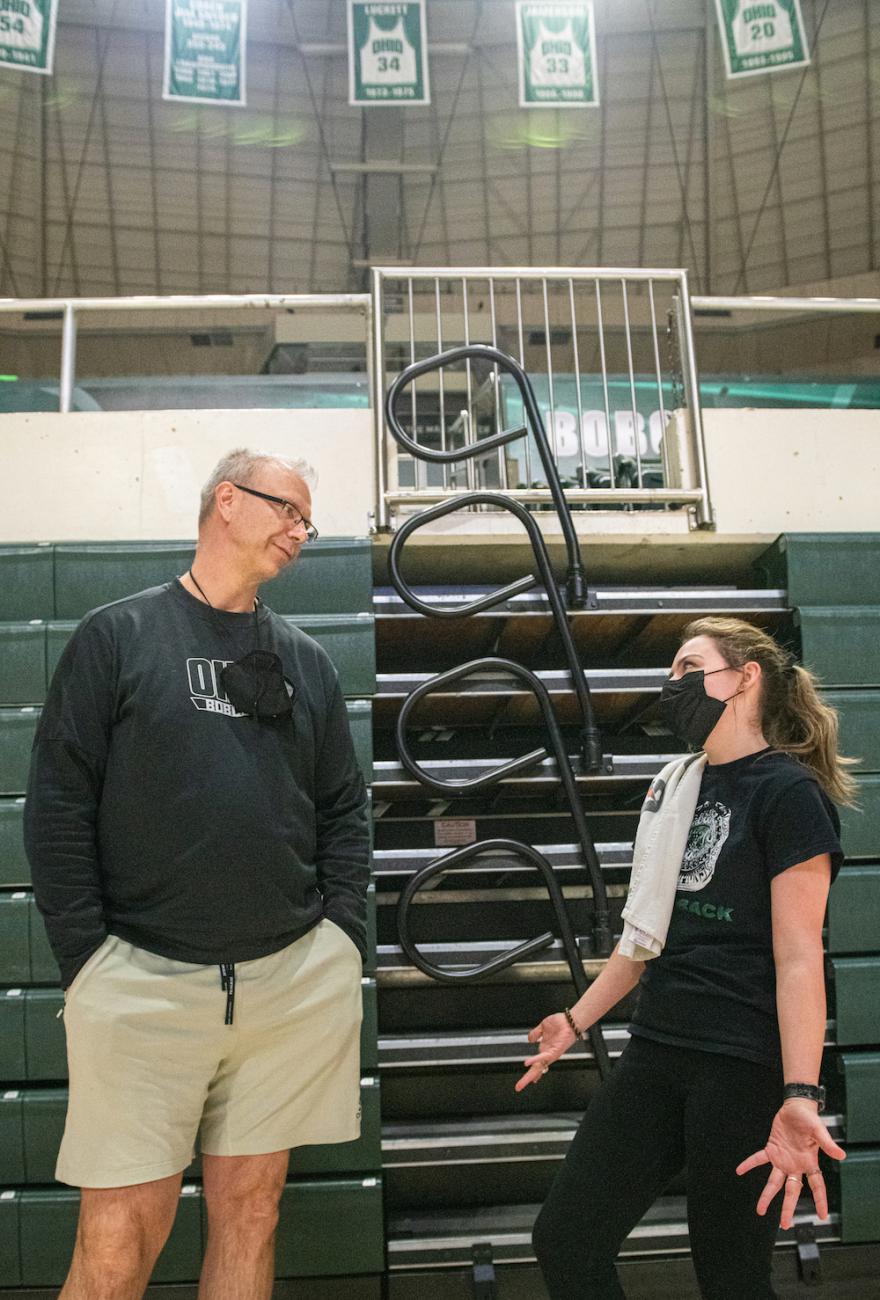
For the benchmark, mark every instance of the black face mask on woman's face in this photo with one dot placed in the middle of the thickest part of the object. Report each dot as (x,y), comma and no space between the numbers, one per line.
(686,708)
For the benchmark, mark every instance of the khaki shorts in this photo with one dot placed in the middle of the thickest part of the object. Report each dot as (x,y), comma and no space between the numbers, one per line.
(152,1063)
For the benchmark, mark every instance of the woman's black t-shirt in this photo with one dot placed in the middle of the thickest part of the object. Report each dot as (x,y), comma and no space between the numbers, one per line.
(713,987)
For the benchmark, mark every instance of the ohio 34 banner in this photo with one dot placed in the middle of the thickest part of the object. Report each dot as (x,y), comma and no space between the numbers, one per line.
(387,53)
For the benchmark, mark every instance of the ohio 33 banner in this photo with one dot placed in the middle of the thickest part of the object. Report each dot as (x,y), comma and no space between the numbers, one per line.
(762,36)
(205,51)
(387,53)
(556,54)
(27,34)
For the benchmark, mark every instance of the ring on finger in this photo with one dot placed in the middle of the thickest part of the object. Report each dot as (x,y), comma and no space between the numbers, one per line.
(544,1069)
(794,1178)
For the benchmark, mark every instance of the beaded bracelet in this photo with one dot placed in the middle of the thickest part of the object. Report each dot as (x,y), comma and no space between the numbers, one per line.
(578,1033)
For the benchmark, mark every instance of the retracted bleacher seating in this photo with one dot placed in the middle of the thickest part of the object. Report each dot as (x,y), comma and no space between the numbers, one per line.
(44,590)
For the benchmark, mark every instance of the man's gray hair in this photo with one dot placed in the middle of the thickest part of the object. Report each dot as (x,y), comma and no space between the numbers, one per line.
(240,466)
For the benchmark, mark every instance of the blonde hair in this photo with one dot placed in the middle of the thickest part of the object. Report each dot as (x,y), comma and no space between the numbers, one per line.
(794,718)
(240,466)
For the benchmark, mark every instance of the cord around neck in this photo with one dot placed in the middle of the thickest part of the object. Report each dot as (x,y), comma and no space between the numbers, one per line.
(219,621)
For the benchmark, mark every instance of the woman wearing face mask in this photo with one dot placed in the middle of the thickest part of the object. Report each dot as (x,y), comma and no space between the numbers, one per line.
(720,1075)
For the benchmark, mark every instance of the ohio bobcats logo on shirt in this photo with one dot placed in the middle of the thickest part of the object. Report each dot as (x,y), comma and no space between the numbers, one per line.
(706,838)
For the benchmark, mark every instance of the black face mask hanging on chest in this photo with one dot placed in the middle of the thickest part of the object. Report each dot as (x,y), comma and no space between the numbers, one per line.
(255,684)
(686,708)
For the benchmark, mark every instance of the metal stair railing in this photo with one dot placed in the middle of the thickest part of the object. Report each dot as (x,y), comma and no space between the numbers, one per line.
(576,591)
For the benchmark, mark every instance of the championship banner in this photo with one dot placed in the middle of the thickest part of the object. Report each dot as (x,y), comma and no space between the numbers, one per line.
(205,44)
(762,36)
(387,53)
(556,54)
(27,34)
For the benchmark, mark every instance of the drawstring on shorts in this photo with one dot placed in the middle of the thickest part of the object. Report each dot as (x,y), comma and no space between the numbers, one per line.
(227,984)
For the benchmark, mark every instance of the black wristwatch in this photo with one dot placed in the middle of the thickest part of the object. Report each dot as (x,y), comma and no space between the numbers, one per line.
(808,1090)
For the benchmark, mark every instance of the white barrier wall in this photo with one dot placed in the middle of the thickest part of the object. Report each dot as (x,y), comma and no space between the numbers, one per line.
(137,474)
(794,471)
(128,475)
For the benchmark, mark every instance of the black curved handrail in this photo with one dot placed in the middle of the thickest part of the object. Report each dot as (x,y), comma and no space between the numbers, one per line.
(601,923)
(591,747)
(591,741)
(576,583)
(467,857)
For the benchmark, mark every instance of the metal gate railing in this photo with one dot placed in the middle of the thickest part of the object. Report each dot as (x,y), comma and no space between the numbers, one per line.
(610,353)
(73,310)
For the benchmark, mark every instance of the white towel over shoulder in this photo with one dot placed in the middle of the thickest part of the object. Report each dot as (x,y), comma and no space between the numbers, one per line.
(659,847)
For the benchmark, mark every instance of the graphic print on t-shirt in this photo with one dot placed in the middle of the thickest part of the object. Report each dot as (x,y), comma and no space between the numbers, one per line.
(206,688)
(708,834)
(206,691)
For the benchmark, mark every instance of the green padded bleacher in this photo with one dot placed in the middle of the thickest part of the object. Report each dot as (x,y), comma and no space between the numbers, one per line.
(859,1073)
(349,640)
(825,568)
(17,727)
(370,963)
(309,1242)
(32,1047)
(360,720)
(14,868)
(860,827)
(15,943)
(25,955)
(859,713)
(860,1196)
(842,645)
(37,1230)
(22,663)
(95,573)
(65,581)
(26,958)
(856,983)
(370,1025)
(32,1122)
(27,582)
(854,910)
(58,634)
(333,575)
(44,591)
(833,584)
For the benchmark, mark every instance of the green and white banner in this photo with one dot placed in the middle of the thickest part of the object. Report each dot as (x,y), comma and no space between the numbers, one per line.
(387,53)
(205,50)
(27,34)
(762,36)
(556,54)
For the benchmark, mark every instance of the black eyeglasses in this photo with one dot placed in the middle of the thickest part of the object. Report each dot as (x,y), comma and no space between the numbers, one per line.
(287,508)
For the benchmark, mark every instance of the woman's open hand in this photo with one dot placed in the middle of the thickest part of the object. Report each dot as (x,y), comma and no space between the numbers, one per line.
(792,1151)
(554,1037)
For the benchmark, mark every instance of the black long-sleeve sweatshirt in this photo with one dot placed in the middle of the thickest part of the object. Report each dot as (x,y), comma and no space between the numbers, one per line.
(157,813)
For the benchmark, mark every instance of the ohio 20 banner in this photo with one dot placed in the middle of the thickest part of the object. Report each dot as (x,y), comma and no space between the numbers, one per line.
(762,36)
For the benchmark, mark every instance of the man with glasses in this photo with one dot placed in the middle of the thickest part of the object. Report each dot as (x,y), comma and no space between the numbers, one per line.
(196,826)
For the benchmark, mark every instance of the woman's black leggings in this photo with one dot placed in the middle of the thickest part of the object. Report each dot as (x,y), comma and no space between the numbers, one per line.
(665,1109)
